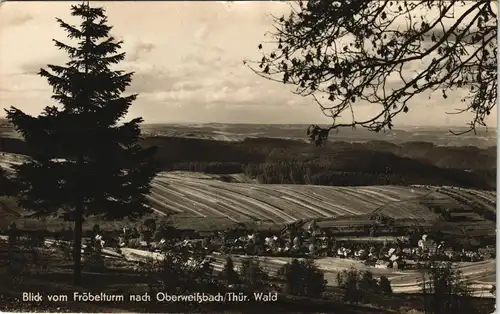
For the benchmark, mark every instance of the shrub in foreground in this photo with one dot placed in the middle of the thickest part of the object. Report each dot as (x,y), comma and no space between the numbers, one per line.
(252,273)
(303,278)
(229,276)
(362,286)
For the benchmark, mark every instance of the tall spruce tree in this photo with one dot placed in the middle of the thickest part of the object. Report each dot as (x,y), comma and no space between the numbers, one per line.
(83,160)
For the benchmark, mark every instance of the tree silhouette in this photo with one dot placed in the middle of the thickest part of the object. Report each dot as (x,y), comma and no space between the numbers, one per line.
(385,285)
(7,184)
(343,52)
(228,274)
(252,273)
(303,278)
(445,290)
(83,160)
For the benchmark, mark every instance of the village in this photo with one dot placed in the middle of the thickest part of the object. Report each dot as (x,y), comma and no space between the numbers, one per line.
(398,253)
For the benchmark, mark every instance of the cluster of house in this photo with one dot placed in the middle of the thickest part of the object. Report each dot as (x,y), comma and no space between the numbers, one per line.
(395,255)
(311,242)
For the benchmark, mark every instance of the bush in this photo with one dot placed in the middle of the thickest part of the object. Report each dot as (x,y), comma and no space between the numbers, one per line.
(303,278)
(67,250)
(146,235)
(202,275)
(181,271)
(228,275)
(92,254)
(149,224)
(28,257)
(445,290)
(96,229)
(362,286)
(13,234)
(368,286)
(159,234)
(252,274)
(348,280)
(147,230)
(385,286)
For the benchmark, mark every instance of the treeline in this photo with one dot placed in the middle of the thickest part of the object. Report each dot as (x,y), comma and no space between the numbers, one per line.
(255,150)
(271,160)
(173,150)
(325,172)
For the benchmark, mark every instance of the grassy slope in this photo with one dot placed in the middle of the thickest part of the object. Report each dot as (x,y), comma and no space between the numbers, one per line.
(201,202)
(189,197)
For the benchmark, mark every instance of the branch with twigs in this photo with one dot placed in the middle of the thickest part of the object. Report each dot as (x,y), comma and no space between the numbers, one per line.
(343,53)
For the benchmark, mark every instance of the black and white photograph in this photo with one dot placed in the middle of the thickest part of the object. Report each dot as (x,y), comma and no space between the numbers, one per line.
(322,156)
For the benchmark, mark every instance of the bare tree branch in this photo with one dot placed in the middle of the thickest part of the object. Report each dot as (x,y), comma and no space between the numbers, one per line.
(359,51)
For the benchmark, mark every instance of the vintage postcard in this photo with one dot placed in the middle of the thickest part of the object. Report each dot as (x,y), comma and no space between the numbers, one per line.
(236,156)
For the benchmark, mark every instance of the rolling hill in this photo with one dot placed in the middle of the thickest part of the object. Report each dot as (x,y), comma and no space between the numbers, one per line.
(340,163)
(341,184)
(205,202)
(197,199)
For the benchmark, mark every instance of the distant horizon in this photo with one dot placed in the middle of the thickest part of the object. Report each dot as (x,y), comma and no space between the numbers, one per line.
(306,123)
(396,127)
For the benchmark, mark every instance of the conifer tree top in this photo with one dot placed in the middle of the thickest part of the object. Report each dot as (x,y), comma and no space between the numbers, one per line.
(79,148)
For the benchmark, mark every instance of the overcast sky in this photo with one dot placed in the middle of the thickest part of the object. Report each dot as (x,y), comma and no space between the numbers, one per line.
(187,57)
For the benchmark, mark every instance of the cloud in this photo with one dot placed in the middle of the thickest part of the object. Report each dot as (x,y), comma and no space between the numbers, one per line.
(139,49)
(204,67)
(16,18)
(151,82)
(187,59)
(33,67)
(23,84)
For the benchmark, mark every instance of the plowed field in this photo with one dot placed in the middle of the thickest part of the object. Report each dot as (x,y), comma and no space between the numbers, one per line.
(203,196)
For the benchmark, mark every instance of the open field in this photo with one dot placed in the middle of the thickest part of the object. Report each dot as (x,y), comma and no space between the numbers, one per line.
(401,281)
(191,195)
(204,202)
